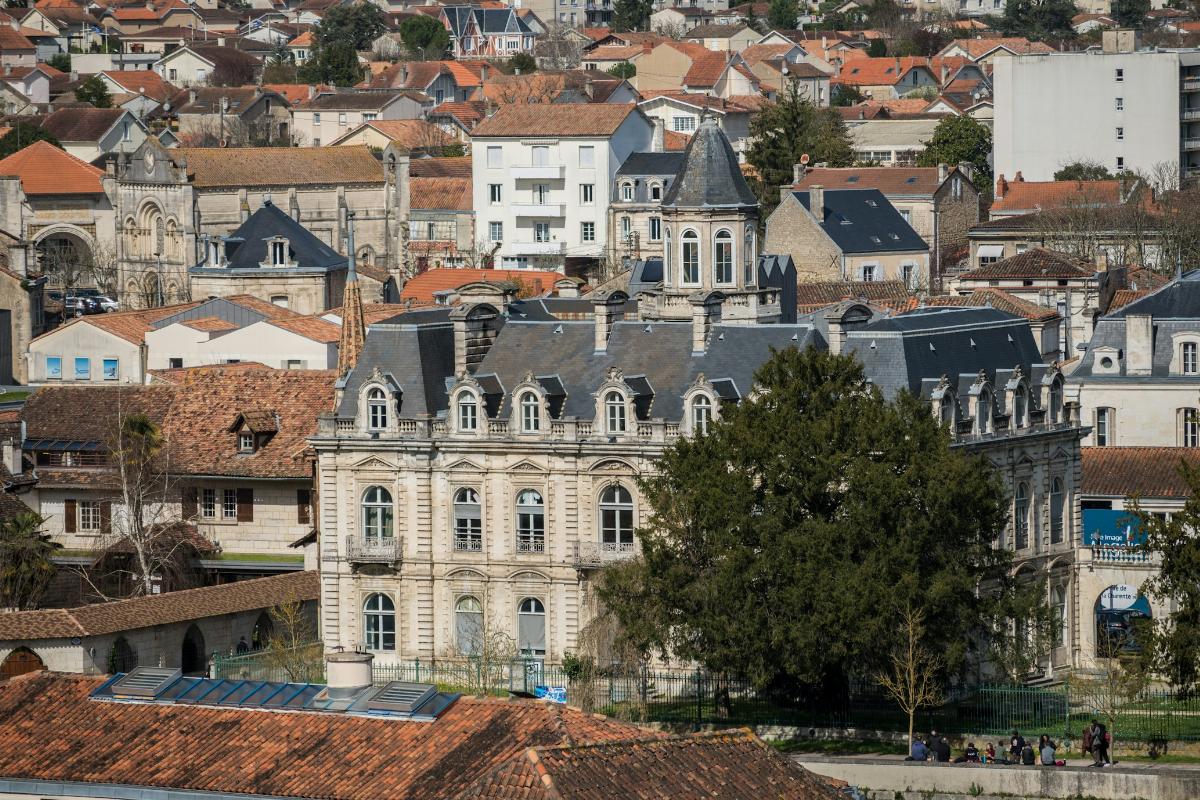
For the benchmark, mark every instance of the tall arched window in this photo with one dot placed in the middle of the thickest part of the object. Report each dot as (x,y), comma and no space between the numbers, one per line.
(668,255)
(1057,509)
(1018,409)
(701,414)
(1189,422)
(690,257)
(531,413)
(1056,402)
(160,236)
(377,410)
(723,257)
(616,519)
(531,627)
(468,521)
(614,413)
(531,522)
(1190,366)
(379,622)
(748,255)
(1058,604)
(983,413)
(468,626)
(377,514)
(946,410)
(1021,517)
(468,413)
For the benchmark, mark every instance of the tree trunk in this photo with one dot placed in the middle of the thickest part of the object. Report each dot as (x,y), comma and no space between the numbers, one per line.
(912,714)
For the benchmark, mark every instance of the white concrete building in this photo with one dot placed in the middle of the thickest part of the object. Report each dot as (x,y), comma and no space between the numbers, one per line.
(542,176)
(1124,107)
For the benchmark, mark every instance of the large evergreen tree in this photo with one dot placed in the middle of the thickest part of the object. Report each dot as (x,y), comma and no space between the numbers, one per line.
(961,140)
(631,15)
(783,545)
(21,135)
(94,91)
(782,14)
(424,36)
(1038,19)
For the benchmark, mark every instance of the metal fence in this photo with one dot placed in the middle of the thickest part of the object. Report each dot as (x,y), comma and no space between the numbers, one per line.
(698,698)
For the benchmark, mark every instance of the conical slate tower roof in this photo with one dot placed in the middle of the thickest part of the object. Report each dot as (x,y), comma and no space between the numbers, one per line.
(710,176)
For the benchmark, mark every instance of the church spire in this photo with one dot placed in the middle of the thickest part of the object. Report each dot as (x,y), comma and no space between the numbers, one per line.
(353,330)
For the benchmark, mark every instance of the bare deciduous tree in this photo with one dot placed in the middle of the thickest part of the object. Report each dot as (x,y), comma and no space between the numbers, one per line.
(292,647)
(912,679)
(489,652)
(559,48)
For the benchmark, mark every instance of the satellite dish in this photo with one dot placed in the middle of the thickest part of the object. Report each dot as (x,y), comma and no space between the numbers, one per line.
(804,159)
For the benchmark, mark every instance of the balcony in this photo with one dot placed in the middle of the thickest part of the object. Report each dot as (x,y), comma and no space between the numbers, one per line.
(1189,114)
(1191,144)
(1190,84)
(593,555)
(544,173)
(533,249)
(538,210)
(386,550)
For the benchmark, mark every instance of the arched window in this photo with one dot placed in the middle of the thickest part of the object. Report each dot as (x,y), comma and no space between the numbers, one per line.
(160,236)
(690,257)
(748,255)
(531,522)
(172,238)
(723,257)
(616,519)
(123,657)
(1019,407)
(379,622)
(377,514)
(983,413)
(1057,509)
(701,414)
(656,191)
(468,521)
(377,410)
(1056,402)
(627,191)
(1058,604)
(946,410)
(468,626)
(531,627)
(1189,361)
(614,413)
(468,412)
(531,413)
(1189,427)
(1021,517)
(668,254)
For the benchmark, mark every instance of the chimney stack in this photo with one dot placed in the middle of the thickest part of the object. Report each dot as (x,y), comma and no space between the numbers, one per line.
(1001,186)
(475,328)
(1139,344)
(608,308)
(1019,178)
(798,173)
(12,457)
(706,312)
(816,202)
(658,142)
(943,170)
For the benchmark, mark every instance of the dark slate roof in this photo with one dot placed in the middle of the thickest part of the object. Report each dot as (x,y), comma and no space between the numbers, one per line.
(415,354)
(910,350)
(710,175)
(664,163)
(306,250)
(659,352)
(863,221)
(645,276)
(489,20)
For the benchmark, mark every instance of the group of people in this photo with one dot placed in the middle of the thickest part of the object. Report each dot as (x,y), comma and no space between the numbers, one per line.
(1015,751)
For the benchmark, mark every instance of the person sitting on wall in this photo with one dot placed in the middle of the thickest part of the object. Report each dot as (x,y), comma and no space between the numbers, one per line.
(919,751)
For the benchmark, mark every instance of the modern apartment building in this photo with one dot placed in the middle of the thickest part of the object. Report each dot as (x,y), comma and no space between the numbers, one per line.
(1125,107)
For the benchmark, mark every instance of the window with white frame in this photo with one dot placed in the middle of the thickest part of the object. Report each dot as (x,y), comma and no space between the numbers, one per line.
(229,503)
(587,231)
(655,229)
(1055,408)
(531,413)
(616,519)
(379,623)
(656,191)
(1105,427)
(1188,362)
(1019,407)
(867,273)
(689,257)
(90,515)
(495,231)
(541,231)
(468,521)
(1021,517)
(541,155)
(1189,422)
(983,413)
(495,157)
(377,514)
(468,626)
(748,255)
(208,503)
(723,257)
(377,410)
(683,124)
(531,522)
(627,191)
(1058,509)
(468,413)
(245,442)
(614,413)
(495,193)
(587,193)
(531,627)
(1120,104)
(626,228)
(587,156)
(701,414)
(541,194)
(668,257)
(908,273)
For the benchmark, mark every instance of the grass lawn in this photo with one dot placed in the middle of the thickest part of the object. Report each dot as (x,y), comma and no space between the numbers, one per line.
(14,396)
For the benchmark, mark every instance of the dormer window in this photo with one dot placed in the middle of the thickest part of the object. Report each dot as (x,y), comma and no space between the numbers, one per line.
(983,413)
(655,191)
(1188,358)
(1019,408)
(701,415)
(279,252)
(1056,402)
(377,410)
(245,442)
(531,413)
(468,413)
(614,413)
(627,192)
(947,411)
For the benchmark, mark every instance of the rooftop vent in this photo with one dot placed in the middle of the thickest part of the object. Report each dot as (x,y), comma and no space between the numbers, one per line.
(399,697)
(145,682)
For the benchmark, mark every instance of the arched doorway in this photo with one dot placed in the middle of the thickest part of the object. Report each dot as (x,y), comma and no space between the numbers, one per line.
(19,662)
(193,660)
(152,292)
(66,258)
(264,628)
(124,657)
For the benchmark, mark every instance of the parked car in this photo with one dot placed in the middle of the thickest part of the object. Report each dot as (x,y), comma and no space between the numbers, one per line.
(106,302)
(77,305)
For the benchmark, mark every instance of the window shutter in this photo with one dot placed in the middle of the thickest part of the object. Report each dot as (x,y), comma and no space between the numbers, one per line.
(70,516)
(245,505)
(105,515)
(303,513)
(189,502)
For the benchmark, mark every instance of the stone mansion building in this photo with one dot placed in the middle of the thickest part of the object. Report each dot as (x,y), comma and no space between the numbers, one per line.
(480,466)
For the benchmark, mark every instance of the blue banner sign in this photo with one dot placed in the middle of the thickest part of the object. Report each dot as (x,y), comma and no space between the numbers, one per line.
(1104,527)
(555,694)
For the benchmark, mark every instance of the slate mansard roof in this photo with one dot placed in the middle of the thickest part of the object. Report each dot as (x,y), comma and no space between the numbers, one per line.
(246,248)
(863,221)
(710,175)
(1174,309)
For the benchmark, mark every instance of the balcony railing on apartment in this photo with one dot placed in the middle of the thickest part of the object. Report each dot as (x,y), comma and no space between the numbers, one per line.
(381,550)
(593,555)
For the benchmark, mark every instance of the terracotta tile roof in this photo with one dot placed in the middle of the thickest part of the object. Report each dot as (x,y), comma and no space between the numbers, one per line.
(567,119)
(716,30)
(81,123)
(437,193)
(305,39)
(208,399)
(1136,471)
(315,328)
(892,181)
(12,41)
(47,170)
(1036,263)
(706,69)
(1020,196)
(421,288)
(160,609)
(996,298)
(131,326)
(51,731)
(295,92)
(863,111)
(673,140)
(728,764)
(89,413)
(445,167)
(765,52)
(467,112)
(264,307)
(466,73)
(212,167)
(1123,297)
(977,48)
(413,134)
(888,71)
(813,296)
(145,81)
(212,324)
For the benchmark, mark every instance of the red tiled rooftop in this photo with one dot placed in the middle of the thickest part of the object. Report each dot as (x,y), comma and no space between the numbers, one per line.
(48,170)
(422,287)
(1136,471)
(1021,196)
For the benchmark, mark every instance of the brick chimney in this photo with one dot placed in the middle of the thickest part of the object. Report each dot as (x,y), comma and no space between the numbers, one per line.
(1018,178)
(1001,186)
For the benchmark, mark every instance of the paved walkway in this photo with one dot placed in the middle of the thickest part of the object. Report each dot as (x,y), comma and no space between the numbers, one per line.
(1071,762)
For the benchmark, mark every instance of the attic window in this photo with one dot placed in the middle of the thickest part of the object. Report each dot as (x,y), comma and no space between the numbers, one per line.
(875,239)
(245,442)
(872,204)
(894,236)
(279,252)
